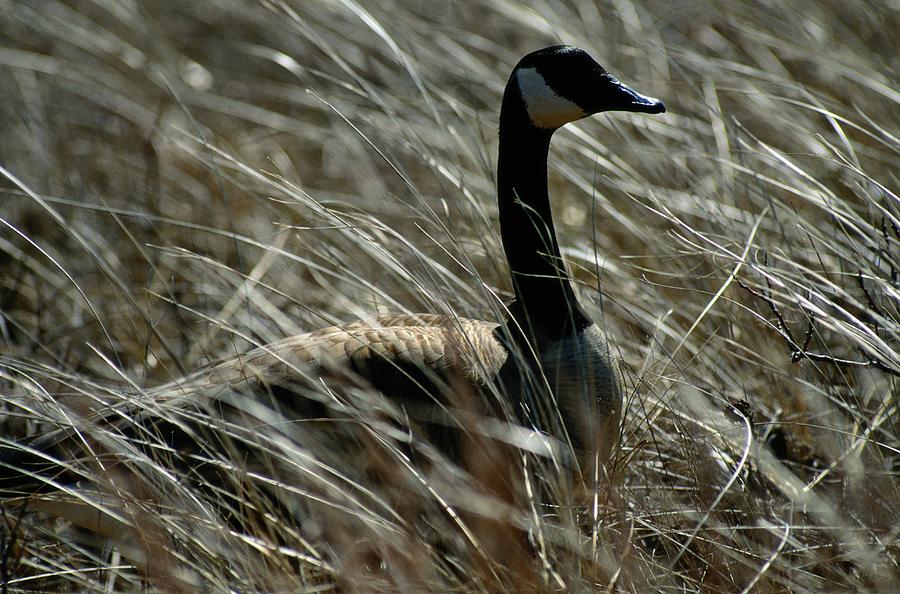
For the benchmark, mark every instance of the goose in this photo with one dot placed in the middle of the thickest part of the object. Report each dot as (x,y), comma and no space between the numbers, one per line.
(549,360)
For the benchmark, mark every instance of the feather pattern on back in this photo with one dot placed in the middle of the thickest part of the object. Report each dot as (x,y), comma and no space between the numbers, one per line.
(450,348)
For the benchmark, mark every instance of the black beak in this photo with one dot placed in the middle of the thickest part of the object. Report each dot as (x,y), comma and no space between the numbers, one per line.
(623,98)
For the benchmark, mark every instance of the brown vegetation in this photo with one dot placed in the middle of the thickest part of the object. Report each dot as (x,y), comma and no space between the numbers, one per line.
(182,182)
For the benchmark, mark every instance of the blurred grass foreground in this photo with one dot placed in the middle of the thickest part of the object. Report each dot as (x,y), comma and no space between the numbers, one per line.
(183,181)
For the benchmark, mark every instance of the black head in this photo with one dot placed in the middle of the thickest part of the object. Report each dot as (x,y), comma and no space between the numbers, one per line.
(561,84)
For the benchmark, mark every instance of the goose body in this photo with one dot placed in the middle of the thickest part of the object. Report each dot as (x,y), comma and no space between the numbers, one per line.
(549,362)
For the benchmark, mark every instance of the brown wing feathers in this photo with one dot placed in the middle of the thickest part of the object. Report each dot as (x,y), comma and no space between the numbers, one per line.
(458,347)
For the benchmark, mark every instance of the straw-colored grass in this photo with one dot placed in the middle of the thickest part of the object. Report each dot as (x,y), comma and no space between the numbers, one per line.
(184,181)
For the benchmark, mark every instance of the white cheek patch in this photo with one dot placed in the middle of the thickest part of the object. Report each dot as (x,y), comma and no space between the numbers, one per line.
(545,108)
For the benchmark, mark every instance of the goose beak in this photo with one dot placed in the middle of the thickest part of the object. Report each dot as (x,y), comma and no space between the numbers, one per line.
(627,99)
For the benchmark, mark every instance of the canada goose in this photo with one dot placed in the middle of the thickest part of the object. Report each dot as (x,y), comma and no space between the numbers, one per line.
(549,359)
(549,341)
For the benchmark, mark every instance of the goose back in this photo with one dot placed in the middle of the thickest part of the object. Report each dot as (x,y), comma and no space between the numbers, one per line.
(379,350)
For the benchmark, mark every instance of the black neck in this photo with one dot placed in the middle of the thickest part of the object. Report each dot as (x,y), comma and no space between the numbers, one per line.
(545,302)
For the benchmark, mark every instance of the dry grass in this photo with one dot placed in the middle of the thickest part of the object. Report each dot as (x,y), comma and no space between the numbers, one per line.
(182,181)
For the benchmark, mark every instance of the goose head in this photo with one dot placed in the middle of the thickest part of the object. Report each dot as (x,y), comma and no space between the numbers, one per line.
(557,85)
